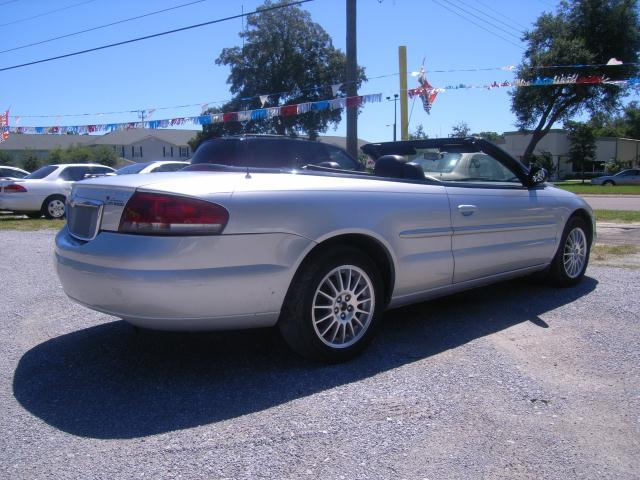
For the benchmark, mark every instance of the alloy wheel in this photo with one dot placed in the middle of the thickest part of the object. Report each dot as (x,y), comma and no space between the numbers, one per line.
(343,306)
(575,252)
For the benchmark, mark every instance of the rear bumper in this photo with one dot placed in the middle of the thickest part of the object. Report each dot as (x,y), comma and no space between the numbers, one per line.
(181,283)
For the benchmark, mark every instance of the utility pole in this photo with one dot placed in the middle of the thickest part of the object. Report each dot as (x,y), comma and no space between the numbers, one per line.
(395,113)
(352,77)
(404,107)
(141,114)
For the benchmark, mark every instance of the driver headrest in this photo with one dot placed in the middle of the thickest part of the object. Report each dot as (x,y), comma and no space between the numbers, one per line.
(394,166)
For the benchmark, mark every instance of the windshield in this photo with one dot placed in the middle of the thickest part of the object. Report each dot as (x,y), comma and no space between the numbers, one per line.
(42,172)
(433,161)
(129,169)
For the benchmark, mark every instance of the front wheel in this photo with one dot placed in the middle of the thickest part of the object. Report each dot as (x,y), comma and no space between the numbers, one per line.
(609,183)
(53,207)
(572,257)
(334,306)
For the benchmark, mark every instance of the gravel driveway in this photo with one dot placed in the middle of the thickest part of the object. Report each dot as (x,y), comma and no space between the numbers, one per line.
(516,380)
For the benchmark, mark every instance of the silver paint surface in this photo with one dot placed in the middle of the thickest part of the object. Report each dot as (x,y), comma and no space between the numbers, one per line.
(239,279)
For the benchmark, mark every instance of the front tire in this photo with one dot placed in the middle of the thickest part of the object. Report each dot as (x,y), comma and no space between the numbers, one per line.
(609,183)
(572,257)
(53,207)
(334,306)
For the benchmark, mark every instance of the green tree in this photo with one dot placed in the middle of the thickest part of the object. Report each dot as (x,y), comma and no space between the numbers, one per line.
(494,137)
(460,129)
(625,124)
(580,32)
(30,161)
(418,133)
(289,56)
(6,158)
(582,144)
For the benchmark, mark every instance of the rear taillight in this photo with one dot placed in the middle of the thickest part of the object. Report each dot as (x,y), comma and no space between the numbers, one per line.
(14,188)
(160,214)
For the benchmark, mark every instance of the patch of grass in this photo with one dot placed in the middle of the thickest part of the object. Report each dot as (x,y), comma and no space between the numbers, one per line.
(29,224)
(588,189)
(602,252)
(617,216)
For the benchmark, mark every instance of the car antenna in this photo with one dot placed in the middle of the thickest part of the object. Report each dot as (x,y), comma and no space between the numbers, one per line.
(248,175)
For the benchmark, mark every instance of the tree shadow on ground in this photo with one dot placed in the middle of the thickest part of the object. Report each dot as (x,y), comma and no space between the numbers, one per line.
(109,382)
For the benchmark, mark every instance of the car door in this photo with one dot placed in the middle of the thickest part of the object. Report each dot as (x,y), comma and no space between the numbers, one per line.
(632,177)
(499,225)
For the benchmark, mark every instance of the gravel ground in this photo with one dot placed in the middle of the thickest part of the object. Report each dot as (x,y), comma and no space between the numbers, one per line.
(516,380)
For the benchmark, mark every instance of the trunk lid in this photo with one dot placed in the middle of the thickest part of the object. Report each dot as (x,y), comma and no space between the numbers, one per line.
(97,204)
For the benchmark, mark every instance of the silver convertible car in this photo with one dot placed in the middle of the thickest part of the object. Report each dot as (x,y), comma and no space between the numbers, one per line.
(319,252)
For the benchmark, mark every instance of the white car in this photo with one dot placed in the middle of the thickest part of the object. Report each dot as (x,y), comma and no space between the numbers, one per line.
(10,173)
(152,167)
(45,191)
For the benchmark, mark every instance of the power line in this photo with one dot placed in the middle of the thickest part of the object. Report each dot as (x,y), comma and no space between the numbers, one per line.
(146,37)
(476,24)
(45,13)
(502,14)
(484,20)
(101,26)
(7,3)
(508,25)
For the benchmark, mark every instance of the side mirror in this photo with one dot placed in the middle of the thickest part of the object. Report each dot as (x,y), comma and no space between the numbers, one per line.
(537,175)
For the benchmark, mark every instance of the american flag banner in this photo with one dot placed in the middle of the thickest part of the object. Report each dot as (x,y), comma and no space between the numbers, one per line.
(4,126)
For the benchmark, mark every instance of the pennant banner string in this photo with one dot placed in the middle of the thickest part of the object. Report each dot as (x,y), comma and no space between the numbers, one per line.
(242,116)
(612,63)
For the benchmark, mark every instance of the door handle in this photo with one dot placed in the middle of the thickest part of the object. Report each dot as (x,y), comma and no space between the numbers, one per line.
(467,210)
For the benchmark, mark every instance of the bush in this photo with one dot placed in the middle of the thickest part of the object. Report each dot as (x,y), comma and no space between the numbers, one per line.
(6,158)
(30,161)
(105,155)
(614,166)
(84,154)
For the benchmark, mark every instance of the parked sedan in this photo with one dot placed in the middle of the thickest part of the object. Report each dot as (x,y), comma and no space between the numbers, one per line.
(624,177)
(152,167)
(11,173)
(319,254)
(44,191)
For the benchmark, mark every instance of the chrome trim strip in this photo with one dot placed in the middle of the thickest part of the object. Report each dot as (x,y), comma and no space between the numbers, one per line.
(504,227)
(427,232)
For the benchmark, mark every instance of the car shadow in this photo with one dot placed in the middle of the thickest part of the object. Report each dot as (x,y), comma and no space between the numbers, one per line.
(110,381)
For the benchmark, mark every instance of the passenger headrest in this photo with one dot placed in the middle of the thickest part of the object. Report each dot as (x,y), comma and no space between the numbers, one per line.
(394,166)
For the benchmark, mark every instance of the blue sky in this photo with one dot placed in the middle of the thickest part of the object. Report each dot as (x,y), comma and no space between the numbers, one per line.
(180,69)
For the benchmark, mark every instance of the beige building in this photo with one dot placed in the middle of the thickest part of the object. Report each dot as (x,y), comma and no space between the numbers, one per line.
(137,145)
(556,142)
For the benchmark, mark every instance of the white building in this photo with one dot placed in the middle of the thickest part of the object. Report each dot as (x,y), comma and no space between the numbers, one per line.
(557,144)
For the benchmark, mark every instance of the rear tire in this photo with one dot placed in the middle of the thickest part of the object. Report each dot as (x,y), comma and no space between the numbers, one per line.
(334,306)
(572,257)
(53,207)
